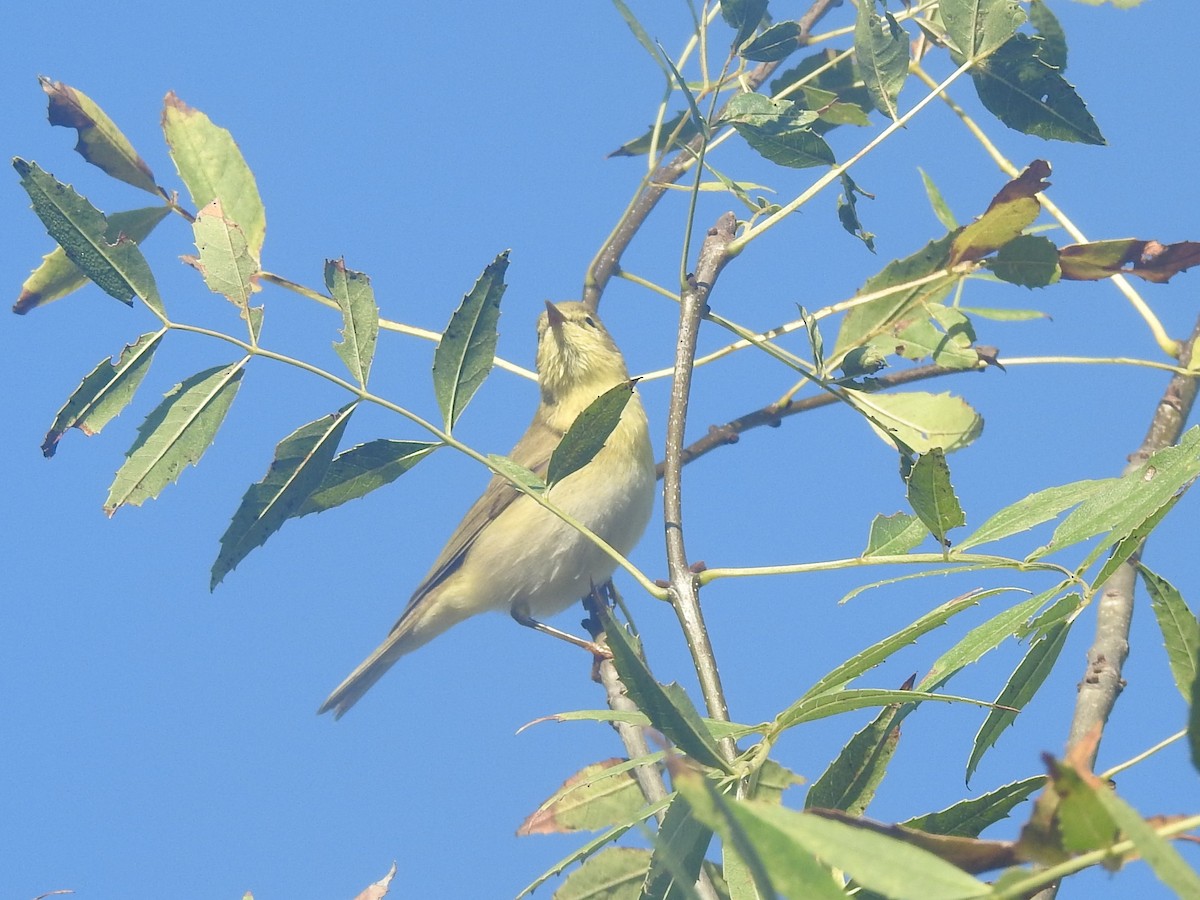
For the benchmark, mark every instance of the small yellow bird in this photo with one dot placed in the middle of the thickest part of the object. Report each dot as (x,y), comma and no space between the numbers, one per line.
(511,554)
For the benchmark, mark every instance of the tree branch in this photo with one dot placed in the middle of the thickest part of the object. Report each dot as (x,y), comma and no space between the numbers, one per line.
(773,415)
(684,591)
(608,260)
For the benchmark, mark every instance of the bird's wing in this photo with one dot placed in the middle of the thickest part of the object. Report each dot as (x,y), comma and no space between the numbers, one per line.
(533,452)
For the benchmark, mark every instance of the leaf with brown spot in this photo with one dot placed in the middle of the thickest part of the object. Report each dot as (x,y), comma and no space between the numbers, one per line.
(1148,260)
(591,799)
(100,141)
(1011,211)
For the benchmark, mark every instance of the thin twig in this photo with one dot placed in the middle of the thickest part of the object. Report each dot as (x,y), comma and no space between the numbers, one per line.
(608,260)
(684,591)
(773,414)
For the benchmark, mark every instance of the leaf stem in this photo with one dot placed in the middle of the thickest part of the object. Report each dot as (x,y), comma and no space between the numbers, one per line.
(983,560)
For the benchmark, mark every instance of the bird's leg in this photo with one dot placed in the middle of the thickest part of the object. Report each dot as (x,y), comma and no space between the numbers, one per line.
(521,614)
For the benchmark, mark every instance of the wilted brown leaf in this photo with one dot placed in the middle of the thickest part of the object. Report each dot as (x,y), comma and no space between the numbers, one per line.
(1149,260)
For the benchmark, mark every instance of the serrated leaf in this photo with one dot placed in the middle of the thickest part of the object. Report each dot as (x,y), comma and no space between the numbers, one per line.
(1012,210)
(1180,630)
(517,473)
(779,130)
(775,43)
(81,230)
(591,799)
(828,85)
(667,706)
(866,320)
(301,461)
(212,167)
(894,534)
(850,781)
(1131,499)
(360,317)
(978,27)
(464,355)
(615,873)
(968,818)
(1040,506)
(587,434)
(57,276)
(175,435)
(1125,545)
(932,497)
(100,140)
(1028,95)
(104,392)
(815,341)
(356,472)
(679,849)
(788,843)
(847,210)
(833,703)
(880,651)
(1020,688)
(1003,315)
(1053,49)
(933,331)
(881,49)
(1029,260)
(921,420)
(743,17)
(644,143)
(225,261)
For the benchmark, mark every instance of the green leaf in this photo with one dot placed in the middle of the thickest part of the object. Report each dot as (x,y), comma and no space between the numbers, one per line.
(593,798)
(667,706)
(104,392)
(1193,723)
(881,48)
(360,317)
(517,473)
(894,534)
(968,818)
(1166,862)
(778,42)
(175,435)
(57,276)
(1038,507)
(780,131)
(81,230)
(679,849)
(850,781)
(225,261)
(465,353)
(1027,94)
(768,865)
(639,33)
(1180,630)
(587,434)
(1012,210)
(941,333)
(834,703)
(979,27)
(615,873)
(1125,546)
(743,17)
(644,143)
(847,210)
(1132,499)
(211,165)
(788,839)
(100,140)
(880,651)
(940,208)
(1029,260)
(921,420)
(829,86)
(1025,681)
(301,460)
(1003,315)
(356,472)
(1053,50)
(907,283)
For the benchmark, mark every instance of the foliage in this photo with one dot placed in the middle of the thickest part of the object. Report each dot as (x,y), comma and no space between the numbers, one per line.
(906,316)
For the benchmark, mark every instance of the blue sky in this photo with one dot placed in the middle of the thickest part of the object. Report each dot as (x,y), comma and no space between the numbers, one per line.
(162,741)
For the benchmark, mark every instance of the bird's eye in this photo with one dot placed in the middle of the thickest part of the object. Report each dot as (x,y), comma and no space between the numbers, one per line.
(589,321)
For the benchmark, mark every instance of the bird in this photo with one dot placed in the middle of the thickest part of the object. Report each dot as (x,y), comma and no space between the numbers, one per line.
(509,553)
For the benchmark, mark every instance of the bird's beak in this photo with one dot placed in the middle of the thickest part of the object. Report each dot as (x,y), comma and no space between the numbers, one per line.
(554,315)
